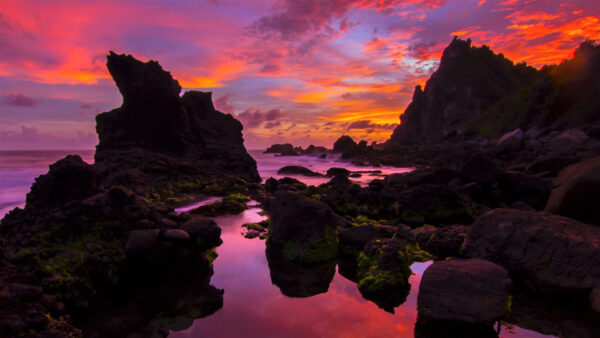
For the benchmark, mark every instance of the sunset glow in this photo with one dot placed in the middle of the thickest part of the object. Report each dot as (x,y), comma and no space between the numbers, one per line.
(325,67)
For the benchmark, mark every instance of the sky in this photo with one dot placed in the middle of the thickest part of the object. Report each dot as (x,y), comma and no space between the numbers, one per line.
(299,71)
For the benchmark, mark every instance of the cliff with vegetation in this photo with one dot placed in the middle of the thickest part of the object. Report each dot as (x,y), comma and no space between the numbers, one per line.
(477,93)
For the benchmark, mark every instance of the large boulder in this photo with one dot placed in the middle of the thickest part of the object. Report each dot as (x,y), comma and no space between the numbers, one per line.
(165,135)
(549,252)
(576,194)
(203,230)
(69,179)
(442,242)
(464,290)
(302,228)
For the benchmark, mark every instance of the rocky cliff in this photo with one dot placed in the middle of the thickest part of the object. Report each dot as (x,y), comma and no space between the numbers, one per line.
(476,92)
(160,135)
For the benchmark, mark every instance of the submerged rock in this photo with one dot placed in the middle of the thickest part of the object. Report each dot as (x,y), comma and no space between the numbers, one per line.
(464,290)
(297,170)
(549,252)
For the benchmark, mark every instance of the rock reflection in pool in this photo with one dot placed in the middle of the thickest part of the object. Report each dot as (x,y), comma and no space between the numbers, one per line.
(254,307)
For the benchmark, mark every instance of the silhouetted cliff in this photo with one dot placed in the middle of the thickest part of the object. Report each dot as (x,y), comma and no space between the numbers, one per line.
(476,92)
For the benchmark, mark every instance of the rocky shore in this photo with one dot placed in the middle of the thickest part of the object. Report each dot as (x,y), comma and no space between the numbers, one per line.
(95,240)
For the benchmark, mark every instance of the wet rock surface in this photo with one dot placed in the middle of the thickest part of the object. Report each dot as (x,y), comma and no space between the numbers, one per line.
(464,290)
(549,252)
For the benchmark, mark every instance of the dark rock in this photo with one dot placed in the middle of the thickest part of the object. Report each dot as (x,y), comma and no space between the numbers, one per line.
(297,170)
(175,235)
(140,241)
(576,194)
(205,229)
(551,165)
(464,290)
(549,252)
(344,144)
(445,242)
(533,191)
(286,148)
(432,204)
(169,223)
(252,234)
(69,179)
(568,140)
(426,328)
(462,91)
(304,229)
(337,171)
(296,280)
(595,299)
(354,239)
(473,191)
(159,133)
(479,168)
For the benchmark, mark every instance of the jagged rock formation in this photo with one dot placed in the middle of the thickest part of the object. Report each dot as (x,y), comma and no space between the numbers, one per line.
(164,135)
(475,92)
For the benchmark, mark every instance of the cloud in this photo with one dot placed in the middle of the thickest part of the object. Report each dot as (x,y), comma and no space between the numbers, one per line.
(253,117)
(31,138)
(222,104)
(19,100)
(367,124)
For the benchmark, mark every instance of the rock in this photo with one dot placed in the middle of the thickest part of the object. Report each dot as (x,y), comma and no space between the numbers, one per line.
(252,234)
(175,235)
(479,168)
(161,134)
(549,252)
(511,140)
(344,144)
(595,299)
(445,242)
(568,140)
(284,184)
(432,204)
(383,272)
(533,191)
(302,228)
(299,281)
(460,96)
(352,240)
(473,191)
(297,170)
(337,171)
(203,228)
(286,148)
(464,290)
(576,192)
(168,223)
(551,165)
(69,179)
(140,241)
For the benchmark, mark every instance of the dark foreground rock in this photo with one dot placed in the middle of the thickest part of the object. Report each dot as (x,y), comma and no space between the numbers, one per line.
(464,290)
(549,252)
(303,229)
(576,194)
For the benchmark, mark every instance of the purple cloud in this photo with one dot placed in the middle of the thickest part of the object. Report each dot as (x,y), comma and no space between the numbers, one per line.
(19,100)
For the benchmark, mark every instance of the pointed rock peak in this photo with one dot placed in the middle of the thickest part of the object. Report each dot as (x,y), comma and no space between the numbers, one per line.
(139,80)
(457,48)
